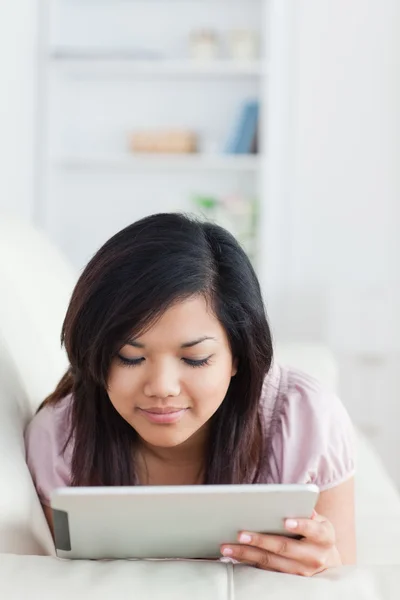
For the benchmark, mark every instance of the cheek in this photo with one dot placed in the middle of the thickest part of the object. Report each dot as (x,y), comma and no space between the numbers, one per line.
(121,383)
(207,387)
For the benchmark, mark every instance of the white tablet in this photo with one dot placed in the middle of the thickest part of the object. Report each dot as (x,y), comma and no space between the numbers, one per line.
(170,521)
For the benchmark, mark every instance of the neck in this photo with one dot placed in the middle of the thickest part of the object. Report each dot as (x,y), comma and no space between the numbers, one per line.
(190,452)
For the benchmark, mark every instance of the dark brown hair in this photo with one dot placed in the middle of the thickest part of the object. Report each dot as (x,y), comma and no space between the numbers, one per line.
(125,287)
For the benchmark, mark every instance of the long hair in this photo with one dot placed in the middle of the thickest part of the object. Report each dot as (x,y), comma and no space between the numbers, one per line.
(129,283)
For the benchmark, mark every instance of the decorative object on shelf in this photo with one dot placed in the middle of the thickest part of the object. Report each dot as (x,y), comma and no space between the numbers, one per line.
(236,212)
(243,44)
(203,44)
(244,139)
(206,205)
(173,141)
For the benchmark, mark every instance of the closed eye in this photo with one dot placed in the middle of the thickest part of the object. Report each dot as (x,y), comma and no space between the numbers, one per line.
(134,362)
(197,363)
(130,362)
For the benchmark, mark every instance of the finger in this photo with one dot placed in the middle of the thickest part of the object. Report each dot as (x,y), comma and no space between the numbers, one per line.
(306,553)
(318,529)
(261,559)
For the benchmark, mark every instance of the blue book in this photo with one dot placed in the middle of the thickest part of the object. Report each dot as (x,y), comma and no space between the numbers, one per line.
(245,131)
(237,134)
(246,141)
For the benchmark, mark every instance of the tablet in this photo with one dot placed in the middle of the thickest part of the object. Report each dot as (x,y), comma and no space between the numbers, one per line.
(170,521)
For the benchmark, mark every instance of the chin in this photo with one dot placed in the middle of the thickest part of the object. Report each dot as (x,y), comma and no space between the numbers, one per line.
(164,443)
(165,439)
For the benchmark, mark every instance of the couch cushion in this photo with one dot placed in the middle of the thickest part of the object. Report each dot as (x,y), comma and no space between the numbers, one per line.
(48,578)
(377,510)
(23,528)
(36,284)
(346,583)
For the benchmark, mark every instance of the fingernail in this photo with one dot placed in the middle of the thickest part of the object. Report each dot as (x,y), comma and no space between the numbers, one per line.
(227,551)
(291,524)
(245,538)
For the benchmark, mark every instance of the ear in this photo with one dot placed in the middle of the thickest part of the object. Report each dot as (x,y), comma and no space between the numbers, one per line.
(235,363)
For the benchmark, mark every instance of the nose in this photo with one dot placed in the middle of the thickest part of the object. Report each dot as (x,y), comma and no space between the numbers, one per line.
(162,382)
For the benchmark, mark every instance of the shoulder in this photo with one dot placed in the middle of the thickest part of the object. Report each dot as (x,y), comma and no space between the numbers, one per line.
(47,456)
(52,421)
(304,396)
(314,439)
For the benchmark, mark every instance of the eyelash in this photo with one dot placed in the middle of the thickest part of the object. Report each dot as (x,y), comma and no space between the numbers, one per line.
(135,362)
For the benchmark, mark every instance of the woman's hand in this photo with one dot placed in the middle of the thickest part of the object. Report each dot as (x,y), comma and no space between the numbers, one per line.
(312,554)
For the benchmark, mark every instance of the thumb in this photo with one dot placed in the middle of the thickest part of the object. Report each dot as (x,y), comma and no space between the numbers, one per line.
(319,518)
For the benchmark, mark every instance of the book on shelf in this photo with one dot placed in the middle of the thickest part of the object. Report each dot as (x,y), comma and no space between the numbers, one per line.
(244,139)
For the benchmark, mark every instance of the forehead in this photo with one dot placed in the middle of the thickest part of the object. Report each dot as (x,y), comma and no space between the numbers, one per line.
(185,320)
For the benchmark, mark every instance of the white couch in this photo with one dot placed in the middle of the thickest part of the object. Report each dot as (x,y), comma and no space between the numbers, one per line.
(35,284)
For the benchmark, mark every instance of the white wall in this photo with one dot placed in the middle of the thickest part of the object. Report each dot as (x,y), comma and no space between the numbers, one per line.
(18,19)
(342,271)
(346,142)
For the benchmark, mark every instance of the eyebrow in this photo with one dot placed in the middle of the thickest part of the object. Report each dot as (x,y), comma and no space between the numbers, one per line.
(198,341)
(137,344)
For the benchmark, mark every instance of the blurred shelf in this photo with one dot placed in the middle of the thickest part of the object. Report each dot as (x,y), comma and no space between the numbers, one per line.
(183,162)
(126,66)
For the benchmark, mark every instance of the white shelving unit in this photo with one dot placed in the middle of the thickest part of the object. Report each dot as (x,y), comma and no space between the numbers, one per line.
(95,89)
(109,66)
(135,162)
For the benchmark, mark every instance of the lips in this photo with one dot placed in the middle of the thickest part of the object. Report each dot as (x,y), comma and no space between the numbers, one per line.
(163,415)
(162,411)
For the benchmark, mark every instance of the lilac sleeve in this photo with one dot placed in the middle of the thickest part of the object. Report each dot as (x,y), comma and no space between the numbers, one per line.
(315,442)
(45,438)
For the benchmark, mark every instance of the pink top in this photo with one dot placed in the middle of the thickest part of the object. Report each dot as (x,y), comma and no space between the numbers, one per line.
(312,439)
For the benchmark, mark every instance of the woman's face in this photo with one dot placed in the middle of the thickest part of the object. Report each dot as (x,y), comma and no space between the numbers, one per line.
(168,382)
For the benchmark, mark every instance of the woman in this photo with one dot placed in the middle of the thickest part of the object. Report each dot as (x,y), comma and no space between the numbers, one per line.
(172,381)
